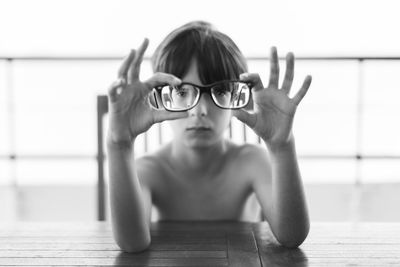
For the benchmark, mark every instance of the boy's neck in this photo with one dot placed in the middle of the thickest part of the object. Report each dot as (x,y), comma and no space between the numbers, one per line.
(197,160)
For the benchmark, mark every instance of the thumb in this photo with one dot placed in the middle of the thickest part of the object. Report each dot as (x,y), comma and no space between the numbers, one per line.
(246,117)
(163,115)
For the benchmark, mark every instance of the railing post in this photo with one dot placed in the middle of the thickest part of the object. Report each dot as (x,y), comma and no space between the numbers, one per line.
(17,214)
(359,121)
(355,203)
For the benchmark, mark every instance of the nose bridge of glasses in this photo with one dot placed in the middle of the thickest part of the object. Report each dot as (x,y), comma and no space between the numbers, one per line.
(204,98)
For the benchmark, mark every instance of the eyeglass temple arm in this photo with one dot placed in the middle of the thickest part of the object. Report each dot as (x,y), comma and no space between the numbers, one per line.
(249,85)
(155,99)
(237,102)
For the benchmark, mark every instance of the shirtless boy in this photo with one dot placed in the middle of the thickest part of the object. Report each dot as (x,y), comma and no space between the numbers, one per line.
(201,175)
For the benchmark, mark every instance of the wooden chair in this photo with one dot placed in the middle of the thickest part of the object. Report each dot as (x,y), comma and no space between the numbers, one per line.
(102,109)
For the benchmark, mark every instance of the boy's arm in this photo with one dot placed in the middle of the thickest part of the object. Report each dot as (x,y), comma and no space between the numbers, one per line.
(281,195)
(130,115)
(130,200)
(272,119)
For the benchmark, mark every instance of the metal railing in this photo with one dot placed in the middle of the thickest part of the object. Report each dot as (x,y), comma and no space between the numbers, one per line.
(102,109)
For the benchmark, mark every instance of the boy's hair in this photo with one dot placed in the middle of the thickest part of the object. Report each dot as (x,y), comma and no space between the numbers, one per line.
(217,56)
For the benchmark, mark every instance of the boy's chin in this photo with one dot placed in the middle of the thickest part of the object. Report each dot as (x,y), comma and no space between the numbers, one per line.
(199,143)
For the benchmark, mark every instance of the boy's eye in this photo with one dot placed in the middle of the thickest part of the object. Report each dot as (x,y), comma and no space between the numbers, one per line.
(183,90)
(180,92)
(220,91)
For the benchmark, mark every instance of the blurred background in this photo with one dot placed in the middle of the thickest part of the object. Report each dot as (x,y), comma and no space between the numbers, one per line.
(57,56)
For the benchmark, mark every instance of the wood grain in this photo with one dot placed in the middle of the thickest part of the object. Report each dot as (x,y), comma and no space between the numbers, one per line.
(199,244)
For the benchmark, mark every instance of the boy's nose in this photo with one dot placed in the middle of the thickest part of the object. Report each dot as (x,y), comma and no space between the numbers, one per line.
(201,109)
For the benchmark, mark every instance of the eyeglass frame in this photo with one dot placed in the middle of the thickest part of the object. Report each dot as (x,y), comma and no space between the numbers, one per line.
(202,89)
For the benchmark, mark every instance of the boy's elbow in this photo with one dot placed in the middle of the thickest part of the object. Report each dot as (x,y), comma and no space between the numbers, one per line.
(134,243)
(293,240)
(134,247)
(291,243)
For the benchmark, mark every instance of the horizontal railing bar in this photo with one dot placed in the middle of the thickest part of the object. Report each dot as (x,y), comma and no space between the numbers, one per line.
(304,156)
(47,156)
(107,58)
(358,157)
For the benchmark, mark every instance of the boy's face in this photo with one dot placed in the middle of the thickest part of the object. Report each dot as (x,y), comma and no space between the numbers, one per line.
(206,123)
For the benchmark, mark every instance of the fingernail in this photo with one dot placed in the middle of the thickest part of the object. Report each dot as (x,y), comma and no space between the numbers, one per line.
(245,76)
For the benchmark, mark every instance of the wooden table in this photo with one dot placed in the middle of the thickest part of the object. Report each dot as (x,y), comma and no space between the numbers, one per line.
(199,244)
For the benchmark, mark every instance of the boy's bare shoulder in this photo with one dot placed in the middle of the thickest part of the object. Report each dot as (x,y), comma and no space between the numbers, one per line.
(150,166)
(254,152)
(254,160)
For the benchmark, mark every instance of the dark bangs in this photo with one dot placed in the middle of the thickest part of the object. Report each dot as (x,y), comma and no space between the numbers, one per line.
(217,56)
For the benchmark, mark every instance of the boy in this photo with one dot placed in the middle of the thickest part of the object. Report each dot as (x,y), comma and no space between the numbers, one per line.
(200,175)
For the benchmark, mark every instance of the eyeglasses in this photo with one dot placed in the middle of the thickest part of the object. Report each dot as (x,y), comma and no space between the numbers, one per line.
(225,94)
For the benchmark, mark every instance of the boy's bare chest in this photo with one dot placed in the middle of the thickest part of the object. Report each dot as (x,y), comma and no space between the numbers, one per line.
(221,196)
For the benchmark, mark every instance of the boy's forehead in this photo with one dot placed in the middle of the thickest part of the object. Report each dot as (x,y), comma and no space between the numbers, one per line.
(192,74)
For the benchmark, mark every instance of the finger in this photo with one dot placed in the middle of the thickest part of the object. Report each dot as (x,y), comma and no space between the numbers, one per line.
(303,90)
(115,89)
(123,70)
(254,79)
(134,68)
(274,73)
(161,78)
(245,117)
(163,115)
(287,82)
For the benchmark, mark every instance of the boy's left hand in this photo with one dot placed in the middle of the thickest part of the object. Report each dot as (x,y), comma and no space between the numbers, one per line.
(273,109)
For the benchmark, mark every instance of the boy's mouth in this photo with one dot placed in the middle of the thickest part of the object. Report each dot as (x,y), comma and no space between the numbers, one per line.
(198,128)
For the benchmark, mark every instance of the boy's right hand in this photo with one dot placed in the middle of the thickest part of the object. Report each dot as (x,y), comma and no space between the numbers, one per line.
(129,111)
